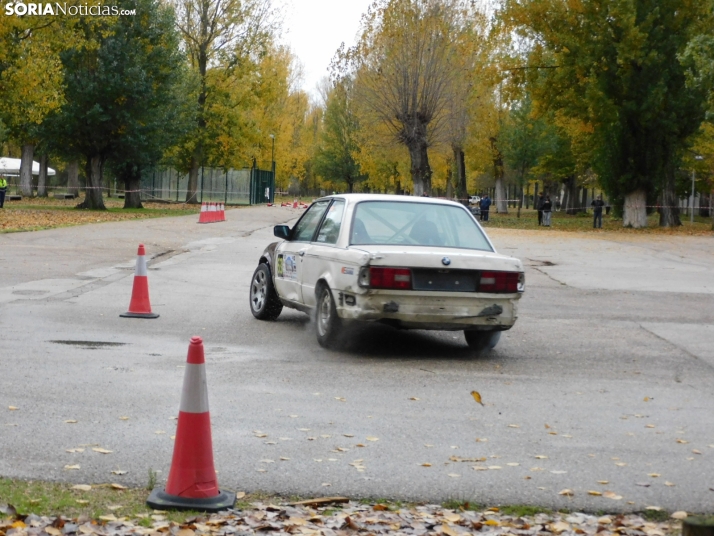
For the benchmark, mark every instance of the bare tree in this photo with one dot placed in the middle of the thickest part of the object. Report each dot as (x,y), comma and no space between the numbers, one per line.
(404,66)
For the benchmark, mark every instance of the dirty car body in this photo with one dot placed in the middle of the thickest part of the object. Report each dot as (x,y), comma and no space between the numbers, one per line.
(413,263)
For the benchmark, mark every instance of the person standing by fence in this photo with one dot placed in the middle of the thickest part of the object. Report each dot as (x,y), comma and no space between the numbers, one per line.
(547,211)
(597,205)
(485,206)
(3,189)
(539,207)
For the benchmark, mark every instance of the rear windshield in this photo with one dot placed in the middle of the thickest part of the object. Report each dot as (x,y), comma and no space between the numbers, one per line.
(416,224)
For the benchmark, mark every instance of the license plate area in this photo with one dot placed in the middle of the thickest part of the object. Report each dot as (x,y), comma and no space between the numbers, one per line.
(445,280)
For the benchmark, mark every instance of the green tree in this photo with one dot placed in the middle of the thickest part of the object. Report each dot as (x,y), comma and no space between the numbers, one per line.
(615,65)
(335,157)
(124,100)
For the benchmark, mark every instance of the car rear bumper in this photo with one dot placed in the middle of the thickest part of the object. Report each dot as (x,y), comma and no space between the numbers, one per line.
(431,310)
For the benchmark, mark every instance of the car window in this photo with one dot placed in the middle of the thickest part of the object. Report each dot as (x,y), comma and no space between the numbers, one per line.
(330,228)
(416,224)
(305,228)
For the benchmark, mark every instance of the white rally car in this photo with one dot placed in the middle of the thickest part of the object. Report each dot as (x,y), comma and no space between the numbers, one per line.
(410,262)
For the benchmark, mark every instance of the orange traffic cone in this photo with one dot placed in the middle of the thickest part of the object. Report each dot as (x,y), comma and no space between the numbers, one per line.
(192,482)
(295,203)
(203,218)
(222,212)
(140,306)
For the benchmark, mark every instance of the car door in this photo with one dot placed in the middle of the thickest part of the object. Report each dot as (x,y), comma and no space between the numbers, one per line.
(290,253)
(320,256)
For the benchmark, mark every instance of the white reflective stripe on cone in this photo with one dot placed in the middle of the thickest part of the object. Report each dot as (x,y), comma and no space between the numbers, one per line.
(203,207)
(194,398)
(141,266)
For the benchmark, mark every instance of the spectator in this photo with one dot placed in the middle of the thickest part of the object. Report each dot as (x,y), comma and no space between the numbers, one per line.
(539,208)
(485,205)
(597,205)
(3,189)
(547,209)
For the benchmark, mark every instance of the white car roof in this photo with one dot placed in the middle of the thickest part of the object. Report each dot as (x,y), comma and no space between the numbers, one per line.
(356,198)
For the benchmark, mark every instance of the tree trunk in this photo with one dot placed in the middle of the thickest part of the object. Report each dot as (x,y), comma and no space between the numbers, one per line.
(635,210)
(571,192)
(450,180)
(192,187)
(460,175)
(73,178)
(26,170)
(420,170)
(93,199)
(42,179)
(584,201)
(132,195)
(704,202)
(499,197)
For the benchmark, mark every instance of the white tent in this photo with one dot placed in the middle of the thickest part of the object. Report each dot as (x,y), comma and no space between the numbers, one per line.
(10,167)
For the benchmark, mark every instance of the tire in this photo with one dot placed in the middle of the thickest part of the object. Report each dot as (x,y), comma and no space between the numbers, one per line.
(327,324)
(264,301)
(481,341)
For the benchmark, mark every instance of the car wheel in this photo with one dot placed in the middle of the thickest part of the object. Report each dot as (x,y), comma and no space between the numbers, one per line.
(482,340)
(327,323)
(264,302)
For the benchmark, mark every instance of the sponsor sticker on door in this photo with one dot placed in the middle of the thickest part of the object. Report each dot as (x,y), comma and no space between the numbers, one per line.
(287,267)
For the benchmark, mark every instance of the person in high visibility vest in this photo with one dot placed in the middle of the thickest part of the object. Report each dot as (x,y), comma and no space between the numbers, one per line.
(3,189)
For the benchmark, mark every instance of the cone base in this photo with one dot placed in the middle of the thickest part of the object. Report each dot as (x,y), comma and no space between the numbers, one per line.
(139,315)
(160,500)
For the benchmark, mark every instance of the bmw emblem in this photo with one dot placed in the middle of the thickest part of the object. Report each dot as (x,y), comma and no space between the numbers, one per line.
(446,261)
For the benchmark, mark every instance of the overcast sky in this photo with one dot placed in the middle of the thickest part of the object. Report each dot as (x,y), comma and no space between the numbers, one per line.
(314,30)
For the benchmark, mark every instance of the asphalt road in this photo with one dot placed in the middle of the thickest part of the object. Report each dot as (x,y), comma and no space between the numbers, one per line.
(608,374)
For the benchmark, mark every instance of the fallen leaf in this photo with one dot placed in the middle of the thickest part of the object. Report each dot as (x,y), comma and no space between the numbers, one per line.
(75,450)
(491,523)
(669,484)
(612,495)
(682,441)
(558,472)
(159,432)
(102,451)
(71,467)
(304,429)
(566,492)
(560,526)
(513,464)
(118,472)
(348,435)
(414,398)
(649,426)
(445,529)
(647,399)
(481,440)
(426,464)
(454,475)
(621,464)
(261,435)
(52,531)
(71,421)
(267,461)
(117,486)
(240,494)
(695,451)
(653,475)
(372,438)
(681,514)
(293,416)
(341,399)
(81,501)
(341,449)
(540,457)
(360,445)
(13,408)
(643,484)
(654,508)
(110,517)
(115,507)
(326,436)
(283,458)
(494,467)
(82,487)
(123,418)
(514,425)
(477,397)
(595,493)
(603,482)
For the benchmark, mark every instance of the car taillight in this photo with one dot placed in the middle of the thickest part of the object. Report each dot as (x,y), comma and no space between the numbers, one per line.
(503,282)
(392,278)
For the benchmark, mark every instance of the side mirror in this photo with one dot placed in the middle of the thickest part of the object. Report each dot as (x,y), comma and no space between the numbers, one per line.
(281,231)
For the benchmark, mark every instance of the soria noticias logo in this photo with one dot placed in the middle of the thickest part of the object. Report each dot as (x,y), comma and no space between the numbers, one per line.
(23,9)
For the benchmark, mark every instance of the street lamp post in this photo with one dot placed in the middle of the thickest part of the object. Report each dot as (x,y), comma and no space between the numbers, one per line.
(272,160)
(694,174)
